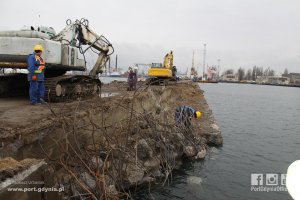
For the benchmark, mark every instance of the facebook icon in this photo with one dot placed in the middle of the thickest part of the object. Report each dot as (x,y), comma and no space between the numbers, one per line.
(256,179)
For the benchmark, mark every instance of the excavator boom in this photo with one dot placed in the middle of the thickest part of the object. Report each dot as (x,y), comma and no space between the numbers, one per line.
(78,33)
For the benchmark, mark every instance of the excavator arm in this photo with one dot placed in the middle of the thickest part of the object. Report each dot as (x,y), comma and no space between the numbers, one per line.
(78,33)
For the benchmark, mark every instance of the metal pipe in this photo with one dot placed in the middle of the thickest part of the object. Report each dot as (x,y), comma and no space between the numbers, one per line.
(23,65)
(14,65)
(13,58)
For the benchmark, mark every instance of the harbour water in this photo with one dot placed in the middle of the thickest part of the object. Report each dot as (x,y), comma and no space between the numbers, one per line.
(106,79)
(261,132)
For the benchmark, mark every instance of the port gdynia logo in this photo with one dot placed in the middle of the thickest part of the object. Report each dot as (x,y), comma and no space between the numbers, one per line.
(271,182)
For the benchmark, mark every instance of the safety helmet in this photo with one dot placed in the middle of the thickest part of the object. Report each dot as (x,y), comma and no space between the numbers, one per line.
(38,47)
(197,114)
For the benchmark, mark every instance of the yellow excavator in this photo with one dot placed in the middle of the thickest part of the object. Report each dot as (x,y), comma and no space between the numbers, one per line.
(162,72)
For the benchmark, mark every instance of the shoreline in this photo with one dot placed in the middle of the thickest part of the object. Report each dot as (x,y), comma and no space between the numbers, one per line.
(259,84)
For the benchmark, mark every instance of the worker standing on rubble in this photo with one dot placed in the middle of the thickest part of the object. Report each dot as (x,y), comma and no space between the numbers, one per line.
(174,73)
(135,71)
(131,78)
(36,68)
(184,114)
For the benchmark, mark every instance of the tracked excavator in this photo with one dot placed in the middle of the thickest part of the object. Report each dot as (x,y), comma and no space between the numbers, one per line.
(161,73)
(61,54)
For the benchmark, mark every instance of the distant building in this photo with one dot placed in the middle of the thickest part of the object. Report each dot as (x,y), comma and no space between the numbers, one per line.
(230,78)
(294,78)
(212,73)
(273,80)
(279,80)
(262,80)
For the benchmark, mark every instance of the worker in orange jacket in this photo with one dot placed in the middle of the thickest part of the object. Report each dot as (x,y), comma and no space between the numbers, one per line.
(36,69)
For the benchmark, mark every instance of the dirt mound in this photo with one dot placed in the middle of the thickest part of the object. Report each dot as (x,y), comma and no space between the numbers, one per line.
(124,140)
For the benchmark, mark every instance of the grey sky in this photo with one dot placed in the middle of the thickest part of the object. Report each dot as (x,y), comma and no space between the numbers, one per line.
(239,32)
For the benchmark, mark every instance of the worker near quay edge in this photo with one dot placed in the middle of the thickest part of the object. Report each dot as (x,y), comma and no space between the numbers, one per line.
(36,69)
(184,115)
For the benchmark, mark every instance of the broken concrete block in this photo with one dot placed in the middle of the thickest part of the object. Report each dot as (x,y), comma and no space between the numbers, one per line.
(201,154)
(189,151)
(143,150)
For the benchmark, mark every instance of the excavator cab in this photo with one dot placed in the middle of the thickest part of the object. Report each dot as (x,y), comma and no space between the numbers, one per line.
(156,65)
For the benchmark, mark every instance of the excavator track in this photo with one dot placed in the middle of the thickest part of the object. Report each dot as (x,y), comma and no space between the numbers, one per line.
(66,88)
(13,85)
(160,81)
(57,89)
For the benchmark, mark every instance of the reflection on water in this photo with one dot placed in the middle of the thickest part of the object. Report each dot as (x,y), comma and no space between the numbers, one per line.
(108,94)
(260,127)
(106,80)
